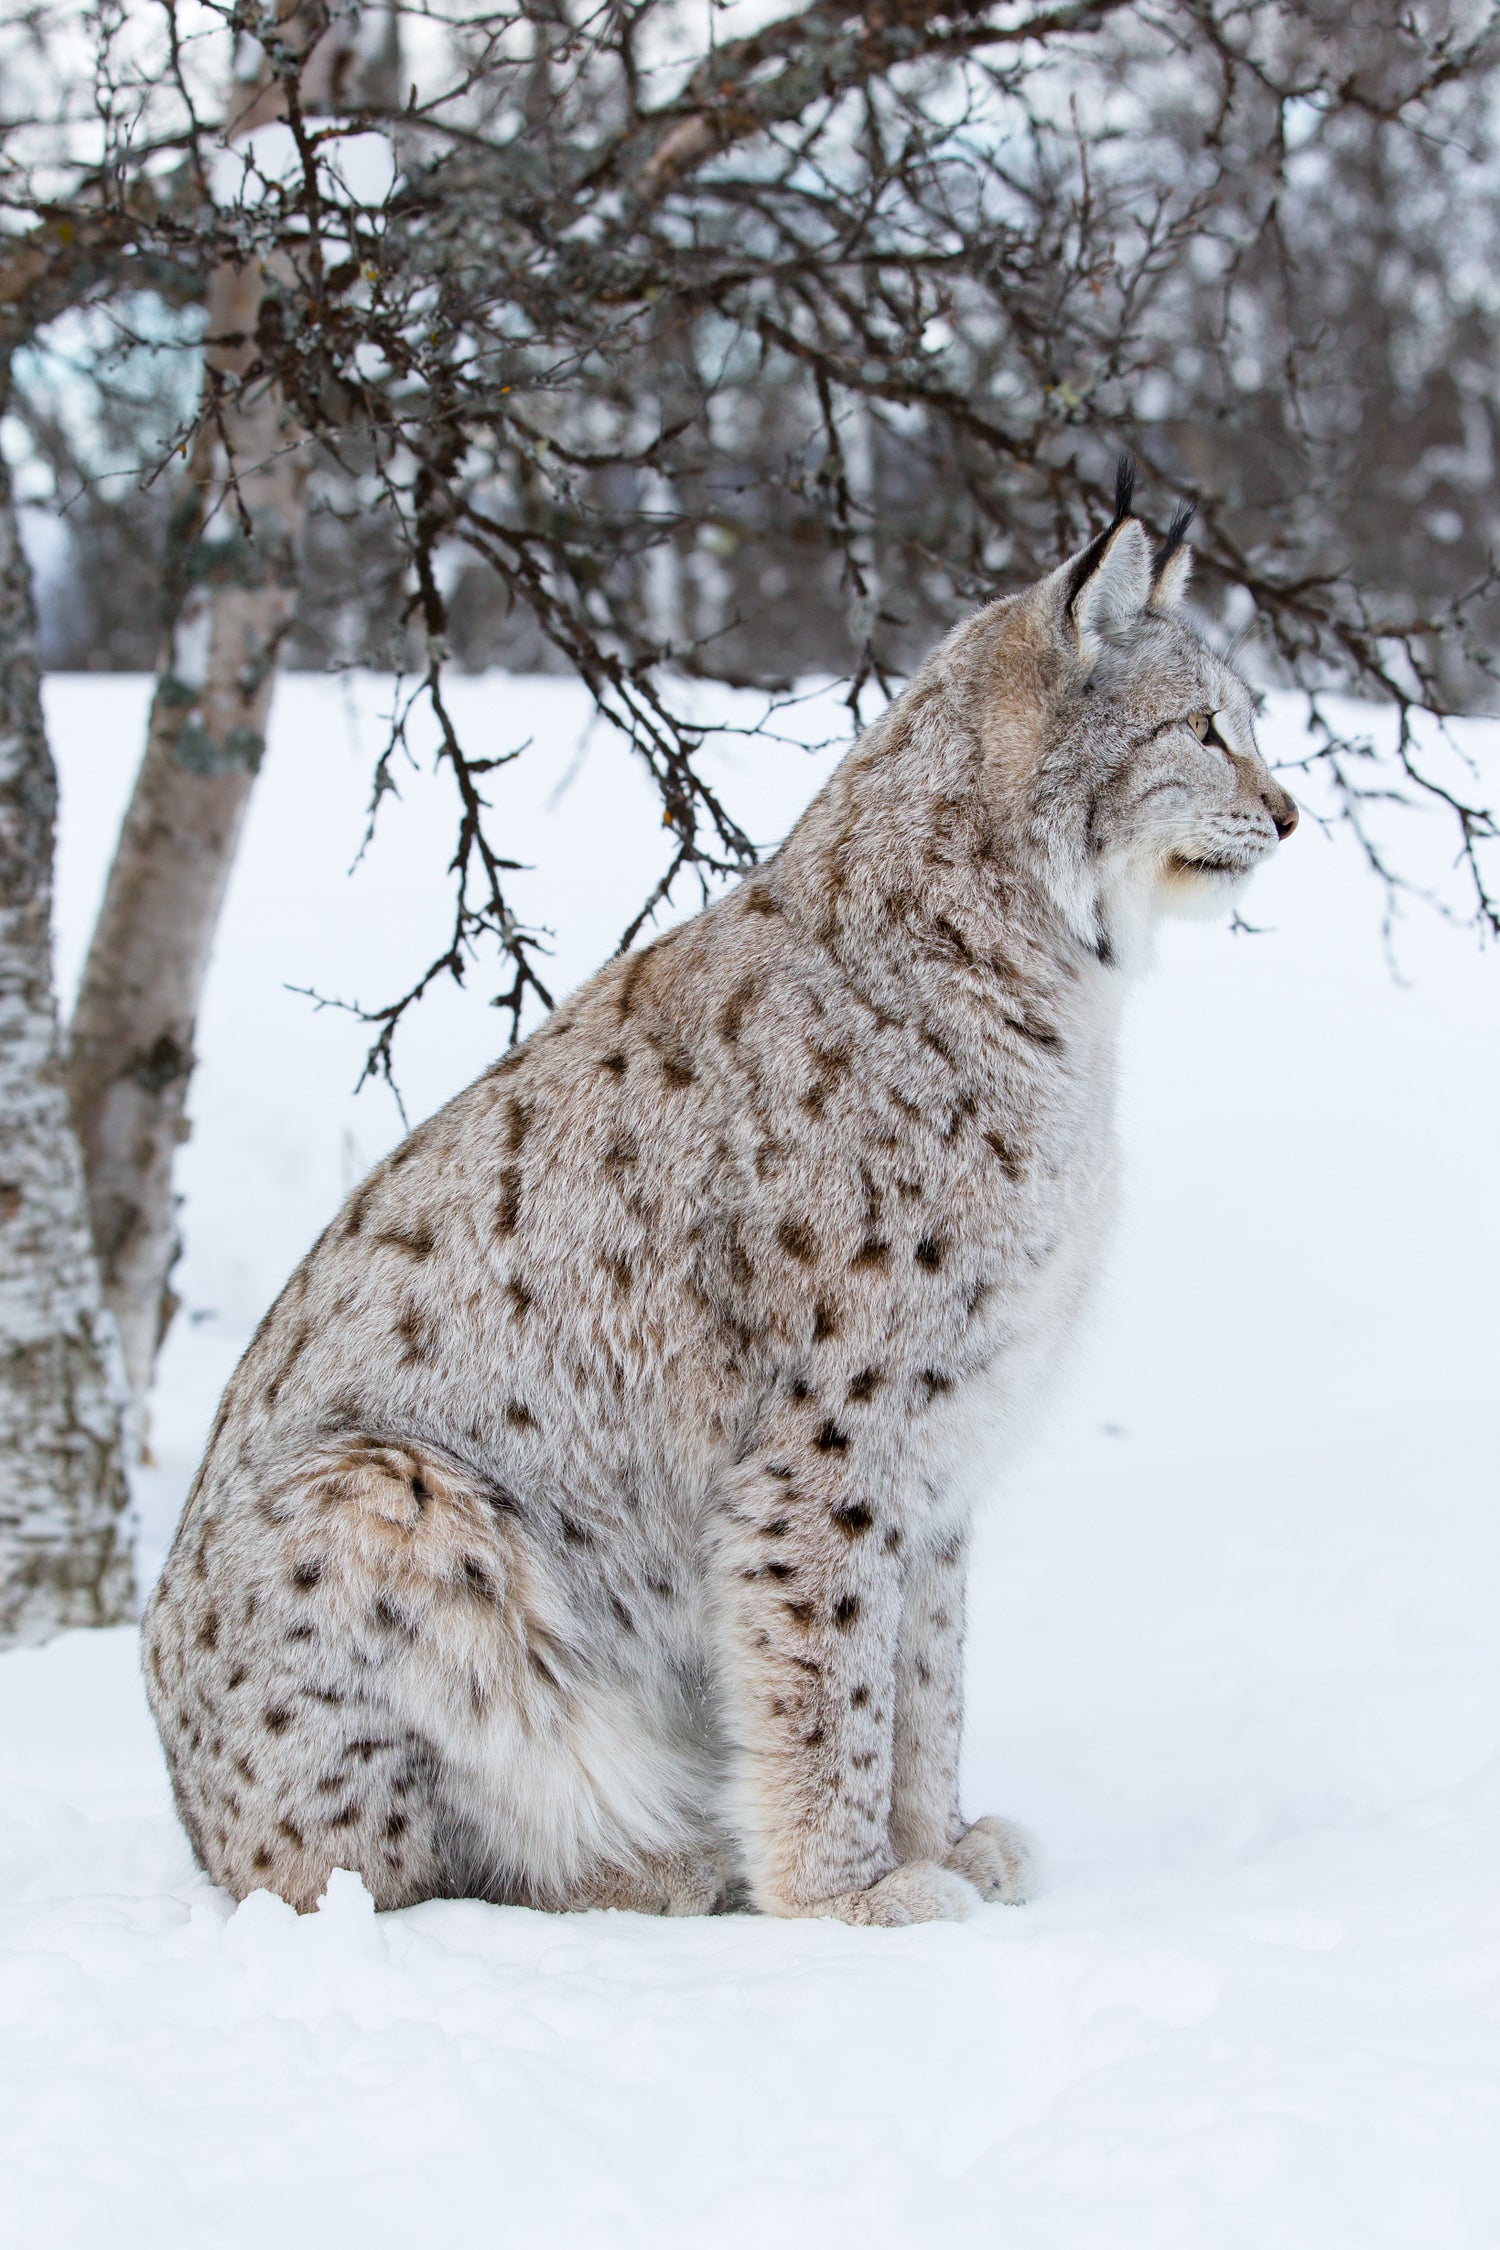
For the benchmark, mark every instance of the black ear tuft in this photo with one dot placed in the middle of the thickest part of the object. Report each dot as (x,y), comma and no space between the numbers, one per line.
(1177,531)
(1088,562)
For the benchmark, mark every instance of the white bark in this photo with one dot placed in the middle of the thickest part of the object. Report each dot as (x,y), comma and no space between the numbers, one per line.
(64,1526)
(133,1029)
(132,1038)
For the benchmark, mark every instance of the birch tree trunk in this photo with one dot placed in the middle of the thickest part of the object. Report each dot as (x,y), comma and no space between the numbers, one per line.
(132,1043)
(131,1056)
(65,1554)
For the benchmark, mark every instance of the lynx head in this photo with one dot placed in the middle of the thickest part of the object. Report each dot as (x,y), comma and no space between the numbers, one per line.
(1124,743)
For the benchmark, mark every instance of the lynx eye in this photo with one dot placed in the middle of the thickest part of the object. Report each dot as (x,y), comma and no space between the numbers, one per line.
(1201,722)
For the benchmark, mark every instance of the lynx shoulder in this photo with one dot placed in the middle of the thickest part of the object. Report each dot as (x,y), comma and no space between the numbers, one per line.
(587,1522)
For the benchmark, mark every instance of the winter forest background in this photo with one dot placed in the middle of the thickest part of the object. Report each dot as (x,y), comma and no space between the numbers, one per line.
(501,452)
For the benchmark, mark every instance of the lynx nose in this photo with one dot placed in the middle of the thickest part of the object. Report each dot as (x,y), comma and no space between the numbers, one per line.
(1282,811)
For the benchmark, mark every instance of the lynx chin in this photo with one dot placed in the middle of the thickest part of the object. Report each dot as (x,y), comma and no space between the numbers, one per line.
(586,1524)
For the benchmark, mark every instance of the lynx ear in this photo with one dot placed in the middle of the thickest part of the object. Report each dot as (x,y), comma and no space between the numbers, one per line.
(1174,565)
(1112,588)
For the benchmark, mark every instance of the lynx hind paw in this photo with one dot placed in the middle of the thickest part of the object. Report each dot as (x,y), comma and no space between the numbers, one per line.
(677,1883)
(998,1858)
(919,1892)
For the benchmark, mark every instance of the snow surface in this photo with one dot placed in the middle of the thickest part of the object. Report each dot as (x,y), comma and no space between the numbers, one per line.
(1233,1655)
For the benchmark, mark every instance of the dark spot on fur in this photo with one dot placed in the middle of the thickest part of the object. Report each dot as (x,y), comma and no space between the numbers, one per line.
(812,1738)
(520,1298)
(620,1272)
(1000,1147)
(345,1817)
(758,899)
(801,1611)
(923,1672)
(1031,1027)
(417,1241)
(478,1579)
(777,1528)
(831,1439)
(419,1492)
(732,1014)
(517,1122)
(677,1071)
(359,1204)
(935,1383)
(930,1252)
(262,1859)
(630,977)
(858,1698)
(615,1063)
(292,1833)
(892,1540)
(520,1417)
(796,1239)
(780,1570)
(845,1611)
(418,1334)
(953,937)
(208,1631)
(394,1620)
(801,1388)
(276,1718)
(854,1520)
(298,1633)
(575,1534)
(623,1617)
(621,1153)
(236,1677)
(825,1322)
(864,1386)
(871,1252)
(308,1573)
(663,1589)
(396,1826)
(508,1209)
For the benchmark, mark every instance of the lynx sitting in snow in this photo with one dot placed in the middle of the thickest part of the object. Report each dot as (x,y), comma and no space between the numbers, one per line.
(586,1524)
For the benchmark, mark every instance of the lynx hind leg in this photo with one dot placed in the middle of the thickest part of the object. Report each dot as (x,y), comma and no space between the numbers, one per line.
(310,1652)
(674,1883)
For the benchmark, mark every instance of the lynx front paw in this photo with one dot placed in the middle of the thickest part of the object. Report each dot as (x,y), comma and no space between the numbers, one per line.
(998,1858)
(919,1892)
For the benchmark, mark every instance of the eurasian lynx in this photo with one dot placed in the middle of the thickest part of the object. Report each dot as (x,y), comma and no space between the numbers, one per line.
(586,1523)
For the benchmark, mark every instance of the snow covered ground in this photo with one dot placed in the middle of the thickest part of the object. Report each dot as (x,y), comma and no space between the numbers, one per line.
(1234,1656)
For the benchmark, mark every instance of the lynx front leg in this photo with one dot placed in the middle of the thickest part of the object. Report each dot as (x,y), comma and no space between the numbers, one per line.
(925,1820)
(993,1854)
(810,1609)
